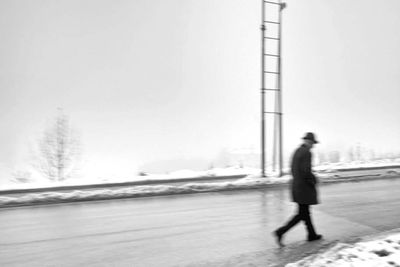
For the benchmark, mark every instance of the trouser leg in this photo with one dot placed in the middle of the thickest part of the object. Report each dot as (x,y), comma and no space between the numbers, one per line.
(304,211)
(295,220)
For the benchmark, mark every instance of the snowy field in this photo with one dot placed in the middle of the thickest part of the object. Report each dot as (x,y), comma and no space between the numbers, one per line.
(323,171)
(376,253)
(332,167)
(251,181)
(176,175)
(140,191)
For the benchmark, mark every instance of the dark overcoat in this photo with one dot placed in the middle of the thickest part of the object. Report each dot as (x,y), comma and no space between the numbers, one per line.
(304,182)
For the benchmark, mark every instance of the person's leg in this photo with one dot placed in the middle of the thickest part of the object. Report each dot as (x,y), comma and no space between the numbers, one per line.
(282,230)
(306,217)
(295,220)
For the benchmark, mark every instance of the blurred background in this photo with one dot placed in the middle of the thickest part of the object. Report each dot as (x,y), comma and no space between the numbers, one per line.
(153,87)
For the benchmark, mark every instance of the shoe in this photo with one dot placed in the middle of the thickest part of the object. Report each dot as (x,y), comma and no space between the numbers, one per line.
(314,237)
(278,236)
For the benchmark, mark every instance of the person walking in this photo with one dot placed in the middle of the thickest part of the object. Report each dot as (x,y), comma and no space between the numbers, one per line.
(303,187)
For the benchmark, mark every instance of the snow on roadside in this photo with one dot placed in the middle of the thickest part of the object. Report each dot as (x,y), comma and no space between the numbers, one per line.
(249,182)
(377,253)
(139,191)
(357,164)
(179,174)
(323,171)
(252,180)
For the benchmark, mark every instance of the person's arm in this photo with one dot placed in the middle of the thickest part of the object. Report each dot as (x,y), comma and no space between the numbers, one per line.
(308,175)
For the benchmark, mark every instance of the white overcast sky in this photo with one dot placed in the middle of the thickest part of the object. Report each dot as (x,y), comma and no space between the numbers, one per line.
(164,79)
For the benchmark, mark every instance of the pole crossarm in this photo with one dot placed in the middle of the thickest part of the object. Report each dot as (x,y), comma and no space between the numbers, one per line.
(272,38)
(271,72)
(272,22)
(269,89)
(271,55)
(273,112)
(269,2)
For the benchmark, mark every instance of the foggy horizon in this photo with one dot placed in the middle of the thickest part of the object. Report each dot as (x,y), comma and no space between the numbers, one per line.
(175,84)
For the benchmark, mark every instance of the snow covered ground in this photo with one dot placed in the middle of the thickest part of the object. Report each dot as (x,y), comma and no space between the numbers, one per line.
(249,182)
(357,164)
(380,252)
(377,253)
(139,191)
(323,171)
(179,174)
(252,180)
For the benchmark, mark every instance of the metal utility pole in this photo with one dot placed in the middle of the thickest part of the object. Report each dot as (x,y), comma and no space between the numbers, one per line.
(277,89)
(262,89)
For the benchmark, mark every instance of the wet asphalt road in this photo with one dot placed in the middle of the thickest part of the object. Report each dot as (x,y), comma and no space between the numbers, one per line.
(210,229)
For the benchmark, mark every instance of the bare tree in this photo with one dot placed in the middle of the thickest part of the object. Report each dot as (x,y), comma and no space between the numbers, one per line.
(58,150)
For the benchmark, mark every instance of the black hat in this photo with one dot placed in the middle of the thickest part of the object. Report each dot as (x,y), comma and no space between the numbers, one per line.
(311,137)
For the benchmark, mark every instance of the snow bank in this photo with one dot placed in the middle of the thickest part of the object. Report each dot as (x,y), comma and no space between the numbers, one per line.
(377,253)
(253,180)
(357,165)
(139,191)
(326,171)
(179,174)
(249,182)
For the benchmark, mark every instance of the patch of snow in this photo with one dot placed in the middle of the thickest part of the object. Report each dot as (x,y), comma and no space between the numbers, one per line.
(180,174)
(234,171)
(332,167)
(324,172)
(252,180)
(139,191)
(186,174)
(380,252)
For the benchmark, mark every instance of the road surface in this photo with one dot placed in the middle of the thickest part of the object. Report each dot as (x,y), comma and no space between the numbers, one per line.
(211,229)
